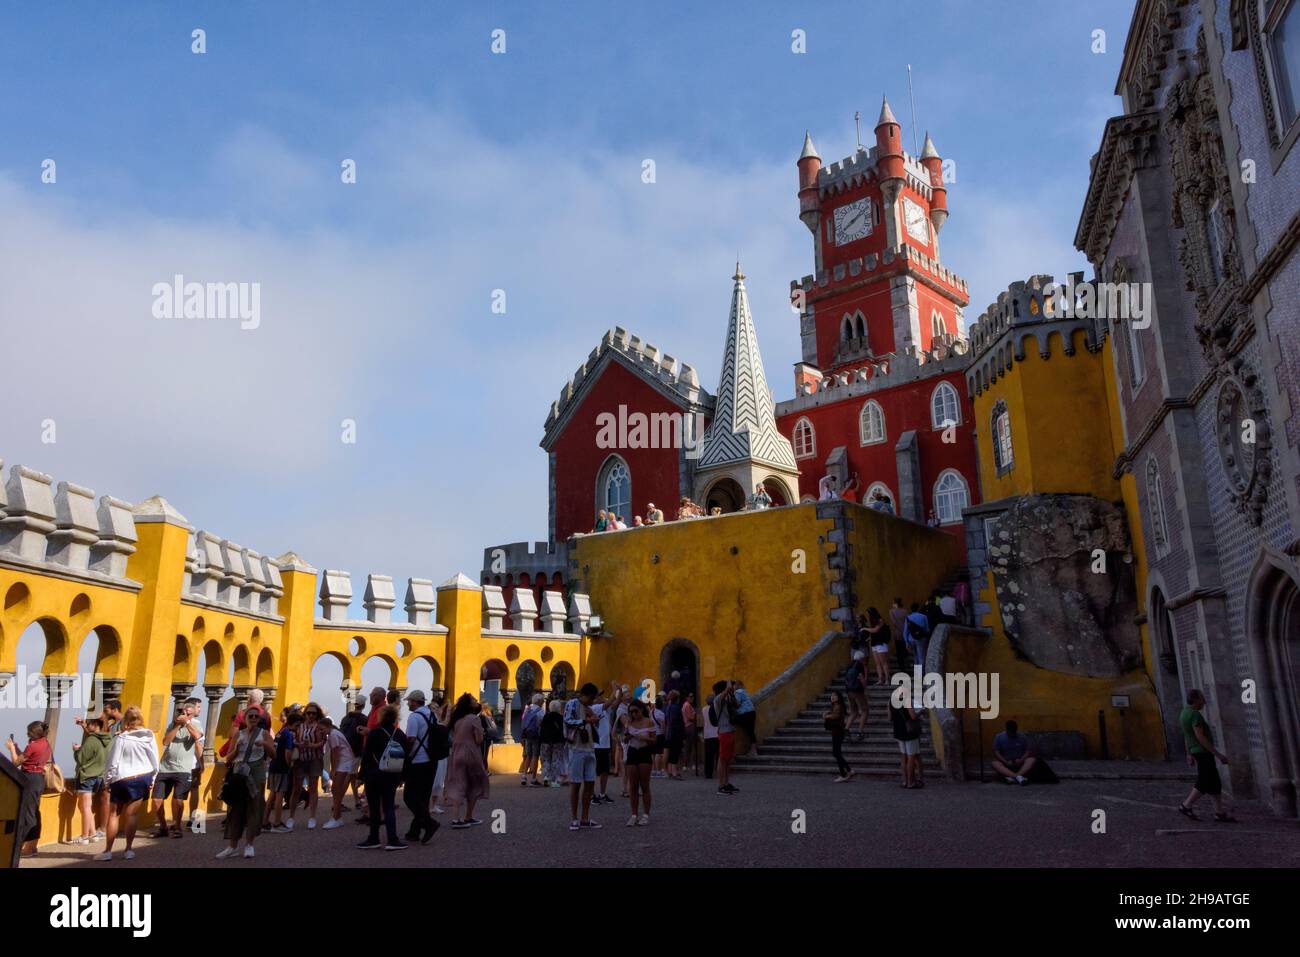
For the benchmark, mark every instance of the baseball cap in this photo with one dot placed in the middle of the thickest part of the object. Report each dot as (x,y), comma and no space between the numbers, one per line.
(417,696)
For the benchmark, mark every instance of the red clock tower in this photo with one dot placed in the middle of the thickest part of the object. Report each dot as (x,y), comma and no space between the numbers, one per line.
(879,389)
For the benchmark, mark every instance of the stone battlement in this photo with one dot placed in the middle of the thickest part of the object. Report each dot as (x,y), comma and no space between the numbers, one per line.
(518,558)
(63,529)
(876,375)
(905,255)
(679,377)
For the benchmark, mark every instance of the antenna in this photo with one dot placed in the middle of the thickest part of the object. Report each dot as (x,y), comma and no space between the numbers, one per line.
(857,116)
(912,100)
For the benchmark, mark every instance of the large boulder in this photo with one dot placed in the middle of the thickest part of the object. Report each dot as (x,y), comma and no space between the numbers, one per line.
(1062,606)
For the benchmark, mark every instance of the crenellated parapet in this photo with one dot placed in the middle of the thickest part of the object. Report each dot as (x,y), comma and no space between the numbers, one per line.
(677,379)
(521,558)
(552,619)
(903,258)
(879,374)
(225,575)
(379,599)
(63,528)
(1027,312)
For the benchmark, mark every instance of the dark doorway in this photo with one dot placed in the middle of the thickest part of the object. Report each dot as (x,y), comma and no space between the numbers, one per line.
(681,658)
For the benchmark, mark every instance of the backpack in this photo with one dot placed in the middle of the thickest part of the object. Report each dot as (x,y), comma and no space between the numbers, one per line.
(393,759)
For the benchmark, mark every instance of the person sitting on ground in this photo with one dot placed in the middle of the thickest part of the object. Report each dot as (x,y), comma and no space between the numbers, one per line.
(654,515)
(1013,755)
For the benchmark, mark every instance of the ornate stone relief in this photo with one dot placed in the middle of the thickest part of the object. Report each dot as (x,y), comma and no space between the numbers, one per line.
(1244,439)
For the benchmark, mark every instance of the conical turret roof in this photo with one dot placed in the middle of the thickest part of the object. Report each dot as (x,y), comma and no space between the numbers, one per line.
(886,114)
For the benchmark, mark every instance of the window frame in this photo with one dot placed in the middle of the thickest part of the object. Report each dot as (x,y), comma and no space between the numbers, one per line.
(937,425)
(804,422)
(935,492)
(862,420)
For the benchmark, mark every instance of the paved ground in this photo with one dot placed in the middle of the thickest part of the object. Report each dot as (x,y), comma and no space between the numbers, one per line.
(863,823)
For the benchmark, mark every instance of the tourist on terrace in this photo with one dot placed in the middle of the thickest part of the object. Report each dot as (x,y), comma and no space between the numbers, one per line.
(654,514)
(383,744)
(760,499)
(826,490)
(834,720)
(851,491)
(554,756)
(602,521)
(580,730)
(641,734)
(246,784)
(1013,756)
(128,774)
(1201,752)
(32,761)
(279,775)
(467,774)
(685,509)
(194,706)
(530,733)
(636,522)
(181,742)
(878,634)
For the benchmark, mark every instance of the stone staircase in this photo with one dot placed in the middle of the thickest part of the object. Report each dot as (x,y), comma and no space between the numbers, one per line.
(803,746)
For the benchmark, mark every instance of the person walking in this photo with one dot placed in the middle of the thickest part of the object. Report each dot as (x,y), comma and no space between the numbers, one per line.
(641,732)
(551,735)
(1202,753)
(834,719)
(387,748)
(32,761)
(467,775)
(91,758)
(129,773)
(421,731)
(244,790)
(710,735)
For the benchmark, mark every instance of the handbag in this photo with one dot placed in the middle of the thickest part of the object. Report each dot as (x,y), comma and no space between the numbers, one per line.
(236,787)
(54,780)
(393,759)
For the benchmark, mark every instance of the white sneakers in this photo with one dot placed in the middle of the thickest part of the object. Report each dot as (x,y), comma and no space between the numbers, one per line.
(643,820)
(288,825)
(311,824)
(226,852)
(104,856)
(439,809)
(248,851)
(331,824)
(631,821)
(129,855)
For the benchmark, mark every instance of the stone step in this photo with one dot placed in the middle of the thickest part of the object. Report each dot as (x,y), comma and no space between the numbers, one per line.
(830,769)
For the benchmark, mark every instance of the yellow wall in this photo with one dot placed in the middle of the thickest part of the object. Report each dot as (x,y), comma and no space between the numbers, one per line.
(727,585)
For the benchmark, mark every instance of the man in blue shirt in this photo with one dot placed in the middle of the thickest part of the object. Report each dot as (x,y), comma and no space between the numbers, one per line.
(916,632)
(1013,757)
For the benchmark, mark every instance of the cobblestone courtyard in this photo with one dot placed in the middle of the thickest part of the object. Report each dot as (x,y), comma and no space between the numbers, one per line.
(866,823)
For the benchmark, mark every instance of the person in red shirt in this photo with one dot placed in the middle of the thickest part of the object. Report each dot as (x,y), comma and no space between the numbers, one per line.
(850,491)
(31,761)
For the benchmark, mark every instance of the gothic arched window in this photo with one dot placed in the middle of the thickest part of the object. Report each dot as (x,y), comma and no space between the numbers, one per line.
(871,424)
(805,440)
(944,410)
(614,489)
(951,495)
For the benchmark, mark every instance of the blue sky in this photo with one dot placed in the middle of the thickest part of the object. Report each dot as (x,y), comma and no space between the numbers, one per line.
(475,172)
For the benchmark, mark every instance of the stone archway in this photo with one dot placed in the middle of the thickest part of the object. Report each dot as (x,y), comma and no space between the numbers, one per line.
(1162,640)
(725,494)
(680,655)
(1273,633)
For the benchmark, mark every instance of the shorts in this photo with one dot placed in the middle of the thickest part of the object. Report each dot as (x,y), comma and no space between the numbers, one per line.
(582,766)
(172,784)
(726,745)
(880,649)
(90,785)
(310,768)
(602,761)
(279,783)
(910,748)
(343,769)
(130,789)
(532,748)
(637,756)
(1207,774)
(659,744)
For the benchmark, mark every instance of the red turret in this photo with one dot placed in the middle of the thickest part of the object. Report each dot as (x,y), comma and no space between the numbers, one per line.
(938,192)
(889,152)
(810,165)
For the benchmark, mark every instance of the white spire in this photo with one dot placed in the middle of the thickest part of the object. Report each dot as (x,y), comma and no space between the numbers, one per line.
(809,151)
(886,114)
(743,427)
(928,151)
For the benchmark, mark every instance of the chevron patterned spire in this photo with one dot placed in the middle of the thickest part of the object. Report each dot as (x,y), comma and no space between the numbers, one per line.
(743,427)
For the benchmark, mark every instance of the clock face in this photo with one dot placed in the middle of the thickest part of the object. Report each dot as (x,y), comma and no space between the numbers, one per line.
(918,226)
(852,221)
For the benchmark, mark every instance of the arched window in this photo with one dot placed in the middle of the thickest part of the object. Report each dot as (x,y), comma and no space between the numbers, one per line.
(614,490)
(871,424)
(805,440)
(886,494)
(950,496)
(1156,507)
(937,326)
(1000,432)
(846,333)
(944,410)
(1136,364)
(861,325)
